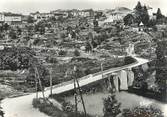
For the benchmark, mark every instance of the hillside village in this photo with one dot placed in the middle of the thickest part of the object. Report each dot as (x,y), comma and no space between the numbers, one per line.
(40,50)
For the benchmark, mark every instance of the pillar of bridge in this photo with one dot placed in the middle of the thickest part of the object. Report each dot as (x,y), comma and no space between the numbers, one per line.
(109,84)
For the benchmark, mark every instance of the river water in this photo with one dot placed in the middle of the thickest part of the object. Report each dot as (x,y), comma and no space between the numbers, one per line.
(94,102)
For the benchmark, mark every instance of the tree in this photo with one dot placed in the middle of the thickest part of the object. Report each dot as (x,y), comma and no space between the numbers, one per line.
(95,23)
(138,7)
(30,19)
(62,53)
(159,17)
(111,107)
(40,27)
(161,68)
(19,31)
(12,34)
(159,14)
(128,19)
(69,29)
(141,14)
(60,19)
(6,27)
(145,16)
(76,53)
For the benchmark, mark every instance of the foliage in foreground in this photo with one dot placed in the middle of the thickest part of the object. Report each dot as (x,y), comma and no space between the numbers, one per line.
(15,58)
(142,112)
(47,108)
(112,109)
(51,110)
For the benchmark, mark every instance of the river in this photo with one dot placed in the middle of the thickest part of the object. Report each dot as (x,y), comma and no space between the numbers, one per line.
(94,102)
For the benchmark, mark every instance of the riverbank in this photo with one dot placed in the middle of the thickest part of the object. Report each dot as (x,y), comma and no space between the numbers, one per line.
(93,98)
(23,105)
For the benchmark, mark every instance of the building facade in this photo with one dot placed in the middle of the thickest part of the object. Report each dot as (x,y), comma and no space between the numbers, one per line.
(10,18)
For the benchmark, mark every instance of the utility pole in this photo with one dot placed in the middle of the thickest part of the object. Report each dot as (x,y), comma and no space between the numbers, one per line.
(101,66)
(36,86)
(50,81)
(78,93)
(40,83)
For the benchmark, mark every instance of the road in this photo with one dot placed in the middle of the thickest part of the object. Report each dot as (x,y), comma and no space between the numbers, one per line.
(22,106)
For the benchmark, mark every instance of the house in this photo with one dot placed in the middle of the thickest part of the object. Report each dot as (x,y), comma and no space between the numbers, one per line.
(2,17)
(73,13)
(11,18)
(81,13)
(25,19)
(59,13)
(41,16)
(141,26)
(86,13)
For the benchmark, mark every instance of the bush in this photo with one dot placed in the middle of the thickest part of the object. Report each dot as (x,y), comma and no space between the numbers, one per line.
(76,53)
(111,107)
(62,53)
(142,112)
(47,108)
(53,111)
(129,60)
(15,58)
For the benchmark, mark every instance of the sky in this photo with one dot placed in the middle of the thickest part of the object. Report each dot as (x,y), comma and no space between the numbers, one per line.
(28,6)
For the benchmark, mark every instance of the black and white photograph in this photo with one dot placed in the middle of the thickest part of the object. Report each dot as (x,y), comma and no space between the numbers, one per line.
(83,58)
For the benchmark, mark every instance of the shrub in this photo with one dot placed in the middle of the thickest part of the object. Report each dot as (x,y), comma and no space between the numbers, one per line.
(53,111)
(15,58)
(142,112)
(76,53)
(62,53)
(111,107)
(129,60)
(48,108)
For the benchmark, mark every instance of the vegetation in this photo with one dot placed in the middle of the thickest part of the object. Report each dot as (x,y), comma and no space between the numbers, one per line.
(62,53)
(159,17)
(86,66)
(129,60)
(12,34)
(111,107)
(161,68)
(15,58)
(48,108)
(76,53)
(141,15)
(30,19)
(51,110)
(142,112)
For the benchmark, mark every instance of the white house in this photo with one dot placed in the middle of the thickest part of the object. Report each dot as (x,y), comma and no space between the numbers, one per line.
(81,13)
(10,18)
(2,17)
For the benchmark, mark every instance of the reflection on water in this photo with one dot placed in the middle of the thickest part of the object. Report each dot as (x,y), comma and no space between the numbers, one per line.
(94,102)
